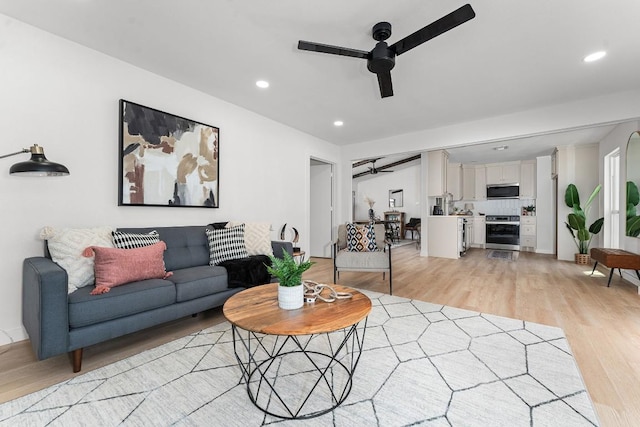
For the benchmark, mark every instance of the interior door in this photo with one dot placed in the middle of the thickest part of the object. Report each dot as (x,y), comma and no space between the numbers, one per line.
(321,217)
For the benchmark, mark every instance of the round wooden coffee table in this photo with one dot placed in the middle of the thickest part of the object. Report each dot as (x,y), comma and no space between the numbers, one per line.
(297,363)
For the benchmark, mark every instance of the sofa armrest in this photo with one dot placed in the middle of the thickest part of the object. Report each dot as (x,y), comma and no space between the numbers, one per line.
(45,308)
(279,246)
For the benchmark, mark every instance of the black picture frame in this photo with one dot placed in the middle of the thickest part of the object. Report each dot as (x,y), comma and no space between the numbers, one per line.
(166,160)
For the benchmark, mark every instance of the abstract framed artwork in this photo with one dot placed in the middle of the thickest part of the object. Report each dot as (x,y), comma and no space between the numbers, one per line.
(166,160)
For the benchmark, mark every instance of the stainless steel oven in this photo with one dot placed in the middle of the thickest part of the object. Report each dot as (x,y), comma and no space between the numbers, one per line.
(503,232)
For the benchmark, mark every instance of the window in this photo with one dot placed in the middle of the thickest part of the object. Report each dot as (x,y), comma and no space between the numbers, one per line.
(612,199)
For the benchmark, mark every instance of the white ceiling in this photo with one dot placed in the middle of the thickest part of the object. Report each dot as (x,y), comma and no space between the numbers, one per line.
(514,56)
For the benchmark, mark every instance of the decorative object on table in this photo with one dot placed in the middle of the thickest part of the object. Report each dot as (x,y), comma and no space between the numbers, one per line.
(468,208)
(38,165)
(289,273)
(633,219)
(166,160)
(313,290)
(576,222)
(294,239)
(369,201)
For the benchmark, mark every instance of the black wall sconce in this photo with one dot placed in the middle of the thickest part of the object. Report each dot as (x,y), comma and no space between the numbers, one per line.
(38,165)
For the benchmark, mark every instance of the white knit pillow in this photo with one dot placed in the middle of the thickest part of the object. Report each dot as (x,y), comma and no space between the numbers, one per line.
(257,237)
(66,246)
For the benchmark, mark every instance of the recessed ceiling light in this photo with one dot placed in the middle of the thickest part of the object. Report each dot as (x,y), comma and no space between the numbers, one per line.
(501,147)
(338,123)
(262,84)
(595,56)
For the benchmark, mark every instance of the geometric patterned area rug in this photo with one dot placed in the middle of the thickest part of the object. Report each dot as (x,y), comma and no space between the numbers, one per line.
(422,364)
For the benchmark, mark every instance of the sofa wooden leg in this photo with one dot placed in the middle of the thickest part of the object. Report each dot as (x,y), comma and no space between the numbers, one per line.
(76,357)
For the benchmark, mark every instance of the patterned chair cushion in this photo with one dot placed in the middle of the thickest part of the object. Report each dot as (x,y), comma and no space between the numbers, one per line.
(361,238)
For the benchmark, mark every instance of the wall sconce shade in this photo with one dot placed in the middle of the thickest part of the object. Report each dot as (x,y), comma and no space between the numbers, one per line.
(38,165)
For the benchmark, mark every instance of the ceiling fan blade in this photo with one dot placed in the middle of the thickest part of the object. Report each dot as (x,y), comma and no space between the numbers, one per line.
(384,81)
(334,50)
(442,25)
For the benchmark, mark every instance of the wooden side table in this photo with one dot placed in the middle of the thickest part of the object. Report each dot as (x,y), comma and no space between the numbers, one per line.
(615,258)
(297,364)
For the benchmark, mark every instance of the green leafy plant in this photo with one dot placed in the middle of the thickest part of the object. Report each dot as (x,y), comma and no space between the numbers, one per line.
(577,220)
(287,269)
(633,220)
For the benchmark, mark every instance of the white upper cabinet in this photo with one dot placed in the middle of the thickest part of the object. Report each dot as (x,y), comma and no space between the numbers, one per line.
(454,180)
(437,174)
(474,182)
(528,179)
(503,173)
(468,182)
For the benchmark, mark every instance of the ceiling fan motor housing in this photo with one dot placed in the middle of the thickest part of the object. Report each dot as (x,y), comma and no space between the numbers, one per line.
(382,59)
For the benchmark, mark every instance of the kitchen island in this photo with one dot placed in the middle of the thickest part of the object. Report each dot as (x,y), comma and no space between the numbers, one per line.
(445,234)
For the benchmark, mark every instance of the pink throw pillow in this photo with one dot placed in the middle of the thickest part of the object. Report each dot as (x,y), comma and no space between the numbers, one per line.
(114,267)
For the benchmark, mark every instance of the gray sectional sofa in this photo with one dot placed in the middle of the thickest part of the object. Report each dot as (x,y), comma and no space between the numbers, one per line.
(58,322)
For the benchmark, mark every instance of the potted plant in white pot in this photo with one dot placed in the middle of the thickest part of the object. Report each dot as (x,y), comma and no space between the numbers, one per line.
(577,222)
(289,273)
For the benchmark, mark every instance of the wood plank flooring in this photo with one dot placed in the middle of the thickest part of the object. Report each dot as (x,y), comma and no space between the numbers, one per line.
(602,324)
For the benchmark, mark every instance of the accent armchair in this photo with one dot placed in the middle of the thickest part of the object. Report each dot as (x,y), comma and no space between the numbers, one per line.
(412,226)
(377,261)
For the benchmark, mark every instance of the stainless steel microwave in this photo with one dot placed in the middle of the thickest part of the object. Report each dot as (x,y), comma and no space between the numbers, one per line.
(507,191)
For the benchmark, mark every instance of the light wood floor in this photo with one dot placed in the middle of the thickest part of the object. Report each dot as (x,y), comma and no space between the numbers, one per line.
(602,324)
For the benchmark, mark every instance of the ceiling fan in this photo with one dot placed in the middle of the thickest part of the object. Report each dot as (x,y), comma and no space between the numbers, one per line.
(373,170)
(382,58)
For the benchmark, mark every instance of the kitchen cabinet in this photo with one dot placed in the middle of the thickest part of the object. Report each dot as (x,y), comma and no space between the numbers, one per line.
(479,232)
(528,233)
(444,234)
(528,179)
(481,183)
(503,173)
(437,174)
(396,220)
(468,182)
(454,180)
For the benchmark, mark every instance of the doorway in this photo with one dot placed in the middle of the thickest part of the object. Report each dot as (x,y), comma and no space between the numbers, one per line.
(321,208)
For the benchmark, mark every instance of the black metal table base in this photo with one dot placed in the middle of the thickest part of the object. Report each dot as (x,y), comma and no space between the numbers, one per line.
(298,376)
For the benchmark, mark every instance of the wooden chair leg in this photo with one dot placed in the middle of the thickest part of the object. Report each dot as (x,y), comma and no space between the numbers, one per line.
(76,357)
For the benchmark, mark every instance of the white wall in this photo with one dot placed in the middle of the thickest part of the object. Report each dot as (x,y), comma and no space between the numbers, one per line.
(377,187)
(65,97)
(545,207)
(578,165)
(618,138)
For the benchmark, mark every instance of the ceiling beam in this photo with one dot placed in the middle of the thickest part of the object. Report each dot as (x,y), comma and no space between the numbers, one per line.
(364,162)
(390,165)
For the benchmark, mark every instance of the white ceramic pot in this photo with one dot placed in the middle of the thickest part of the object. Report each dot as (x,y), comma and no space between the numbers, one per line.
(290,297)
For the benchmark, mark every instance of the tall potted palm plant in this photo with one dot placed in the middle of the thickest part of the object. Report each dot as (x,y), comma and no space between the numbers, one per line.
(577,222)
